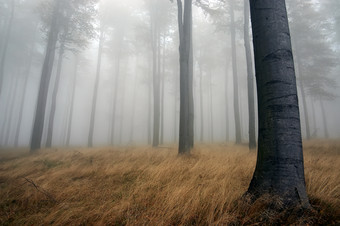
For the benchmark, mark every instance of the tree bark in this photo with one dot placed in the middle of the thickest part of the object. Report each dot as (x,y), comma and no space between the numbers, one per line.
(235,75)
(211,109)
(279,168)
(54,96)
(250,78)
(115,95)
(5,47)
(162,97)
(45,80)
(201,105)
(10,114)
(95,90)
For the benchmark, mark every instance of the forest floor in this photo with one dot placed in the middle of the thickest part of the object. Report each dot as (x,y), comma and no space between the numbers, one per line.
(138,186)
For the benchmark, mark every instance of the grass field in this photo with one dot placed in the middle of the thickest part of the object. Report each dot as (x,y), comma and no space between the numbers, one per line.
(137,186)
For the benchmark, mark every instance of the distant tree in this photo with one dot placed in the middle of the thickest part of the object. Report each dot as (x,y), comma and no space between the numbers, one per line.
(7,33)
(77,27)
(279,168)
(310,36)
(66,21)
(186,125)
(250,77)
(53,33)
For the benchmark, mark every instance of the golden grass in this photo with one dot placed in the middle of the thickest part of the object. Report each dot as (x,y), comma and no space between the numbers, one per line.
(137,186)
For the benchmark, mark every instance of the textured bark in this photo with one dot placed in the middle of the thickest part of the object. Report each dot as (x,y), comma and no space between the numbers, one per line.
(95,90)
(185,50)
(235,75)
(45,80)
(303,96)
(279,168)
(250,78)
(5,45)
(54,97)
(73,91)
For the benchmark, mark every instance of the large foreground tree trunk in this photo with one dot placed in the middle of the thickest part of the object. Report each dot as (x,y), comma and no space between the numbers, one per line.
(250,78)
(45,80)
(279,168)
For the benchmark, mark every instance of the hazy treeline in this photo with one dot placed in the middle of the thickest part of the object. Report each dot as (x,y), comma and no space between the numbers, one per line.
(114,60)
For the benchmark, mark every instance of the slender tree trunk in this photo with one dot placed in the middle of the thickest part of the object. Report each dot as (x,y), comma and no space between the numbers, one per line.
(10,114)
(315,132)
(6,41)
(23,94)
(45,80)
(95,90)
(324,119)
(133,105)
(156,83)
(226,107)
(303,95)
(279,167)
(235,75)
(73,91)
(54,97)
(201,105)
(250,78)
(211,109)
(115,96)
(149,103)
(176,107)
(8,101)
(186,107)
(122,114)
(162,97)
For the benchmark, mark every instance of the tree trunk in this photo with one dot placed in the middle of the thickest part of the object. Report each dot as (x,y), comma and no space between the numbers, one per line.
(156,81)
(5,47)
(235,75)
(226,107)
(211,109)
(324,119)
(149,103)
(186,110)
(54,96)
(122,114)
(133,104)
(45,80)
(201,105)
(23,94)
(303,95)
(115,96)
(74,80)
(95,90)
(162,97)
(250,78)
(279,168)
(10,115)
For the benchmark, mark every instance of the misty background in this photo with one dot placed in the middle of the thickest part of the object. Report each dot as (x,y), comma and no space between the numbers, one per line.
(124,108)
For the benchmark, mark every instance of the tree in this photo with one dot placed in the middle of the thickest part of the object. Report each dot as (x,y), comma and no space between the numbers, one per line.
(45,78)
(279,167)
(5,45)
(250,78)
(186,125)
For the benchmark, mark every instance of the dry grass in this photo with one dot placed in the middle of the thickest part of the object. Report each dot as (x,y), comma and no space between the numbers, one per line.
(137,186)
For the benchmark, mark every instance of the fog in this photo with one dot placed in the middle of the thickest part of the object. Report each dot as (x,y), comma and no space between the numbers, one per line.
(109,44)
